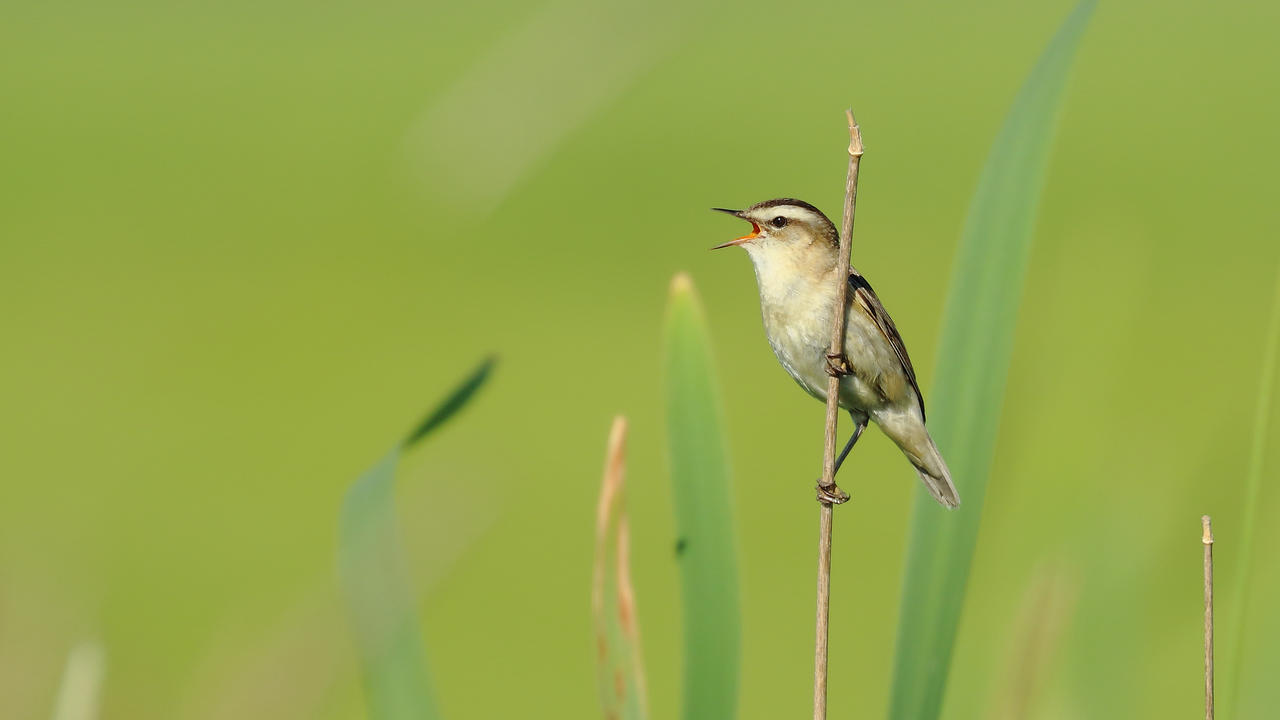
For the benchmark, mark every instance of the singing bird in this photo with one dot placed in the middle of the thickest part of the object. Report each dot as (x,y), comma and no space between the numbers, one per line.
(794,249)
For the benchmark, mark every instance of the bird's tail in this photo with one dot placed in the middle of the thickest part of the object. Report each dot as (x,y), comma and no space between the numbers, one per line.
(909,433)
(932,469)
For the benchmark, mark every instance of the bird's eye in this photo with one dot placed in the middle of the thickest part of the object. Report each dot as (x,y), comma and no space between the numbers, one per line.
(779,222)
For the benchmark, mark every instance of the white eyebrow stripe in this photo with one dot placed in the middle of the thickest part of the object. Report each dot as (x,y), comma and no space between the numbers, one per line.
(791,212)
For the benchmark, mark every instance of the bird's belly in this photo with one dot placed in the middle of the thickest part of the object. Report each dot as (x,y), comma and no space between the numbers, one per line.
(801,347)
(803,356)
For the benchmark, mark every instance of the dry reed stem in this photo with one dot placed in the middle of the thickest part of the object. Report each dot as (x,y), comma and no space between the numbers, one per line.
(613,534)
(1207,539)
(833,417)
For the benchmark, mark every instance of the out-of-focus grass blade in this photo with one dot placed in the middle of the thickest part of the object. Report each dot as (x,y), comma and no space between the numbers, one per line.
(619,665)
(977,338)
(1253,487)
(374,581)
(450,405)
(1047,607)
(81,683)
(465,142)
(706,548)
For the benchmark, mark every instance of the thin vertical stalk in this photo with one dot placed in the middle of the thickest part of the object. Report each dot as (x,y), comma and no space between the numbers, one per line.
(1207,539)
(828,482)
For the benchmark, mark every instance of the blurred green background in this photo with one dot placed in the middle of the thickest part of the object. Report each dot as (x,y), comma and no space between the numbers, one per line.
(246,244)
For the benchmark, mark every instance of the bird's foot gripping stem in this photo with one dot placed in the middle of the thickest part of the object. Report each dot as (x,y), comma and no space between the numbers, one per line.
(838,365)
(831,494)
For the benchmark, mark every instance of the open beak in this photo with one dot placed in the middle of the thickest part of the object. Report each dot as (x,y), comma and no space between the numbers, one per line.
(755,230)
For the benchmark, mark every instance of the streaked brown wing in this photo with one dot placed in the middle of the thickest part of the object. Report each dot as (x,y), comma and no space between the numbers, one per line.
(865,298)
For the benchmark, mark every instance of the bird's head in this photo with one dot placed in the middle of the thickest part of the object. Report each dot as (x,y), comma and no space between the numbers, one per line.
(784,226)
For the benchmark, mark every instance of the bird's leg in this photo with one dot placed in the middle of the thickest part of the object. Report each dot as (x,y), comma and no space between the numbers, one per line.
(834,494)
(853,439)
(838,365)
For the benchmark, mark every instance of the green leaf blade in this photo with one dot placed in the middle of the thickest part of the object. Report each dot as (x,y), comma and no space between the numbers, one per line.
(701,488)
(372,575)
(975,350)
(1242,587)
(454,402)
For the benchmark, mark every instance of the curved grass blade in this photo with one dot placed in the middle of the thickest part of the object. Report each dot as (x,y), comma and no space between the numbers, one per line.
(1253,487)
(977,340)
(80,692)
(460,396)
(706,549)
(376,586)
(620,665)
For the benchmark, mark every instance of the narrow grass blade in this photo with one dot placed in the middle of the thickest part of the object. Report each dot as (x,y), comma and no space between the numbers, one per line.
(372,573)
(81,688)
(977,340)
(700,473)
(1253,487)
(460,396)
(1047,607)
(620,665)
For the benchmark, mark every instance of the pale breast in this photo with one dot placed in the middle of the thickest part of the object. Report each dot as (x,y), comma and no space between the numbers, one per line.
(798,325)
(800,346)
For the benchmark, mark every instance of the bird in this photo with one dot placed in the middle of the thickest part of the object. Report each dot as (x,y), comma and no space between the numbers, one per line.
(794,248)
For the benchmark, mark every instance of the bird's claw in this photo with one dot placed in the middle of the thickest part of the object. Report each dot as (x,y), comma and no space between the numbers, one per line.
(831,494)
(838,365)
